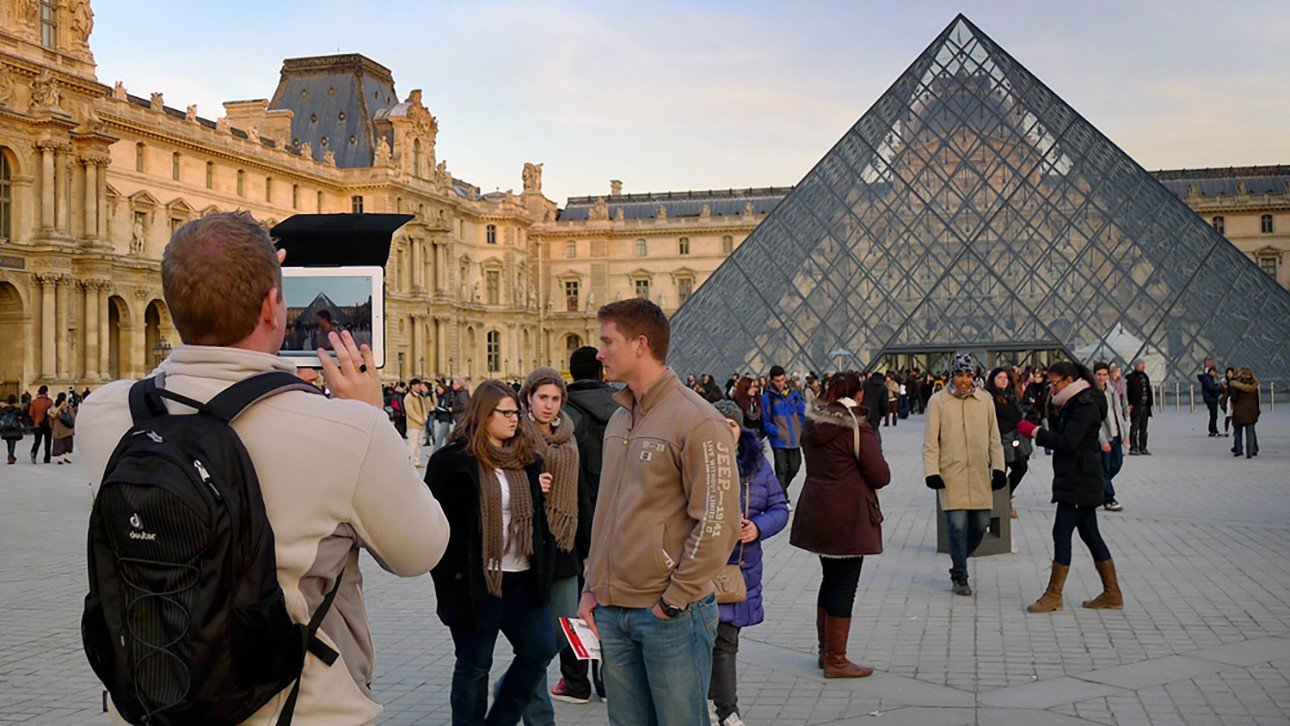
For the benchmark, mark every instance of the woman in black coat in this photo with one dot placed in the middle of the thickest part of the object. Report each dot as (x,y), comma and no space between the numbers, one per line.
(1008,411)
(1077,481)
(495,575)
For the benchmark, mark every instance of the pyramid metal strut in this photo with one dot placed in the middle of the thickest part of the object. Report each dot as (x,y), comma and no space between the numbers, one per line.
(971,207)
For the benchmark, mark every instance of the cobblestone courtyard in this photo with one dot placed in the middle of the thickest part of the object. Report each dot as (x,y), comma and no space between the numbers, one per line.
(1203,550)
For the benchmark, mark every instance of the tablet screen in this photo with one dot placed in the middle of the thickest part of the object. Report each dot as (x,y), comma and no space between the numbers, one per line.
(319,304)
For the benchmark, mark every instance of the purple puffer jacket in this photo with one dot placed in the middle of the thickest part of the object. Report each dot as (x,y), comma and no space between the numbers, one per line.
(769,511)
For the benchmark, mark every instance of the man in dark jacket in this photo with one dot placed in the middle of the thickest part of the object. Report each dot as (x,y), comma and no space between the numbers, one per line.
(41,425)
(875,400)
(1210,390)
(460,399)
(1138,386)
(590,405)
(783,413)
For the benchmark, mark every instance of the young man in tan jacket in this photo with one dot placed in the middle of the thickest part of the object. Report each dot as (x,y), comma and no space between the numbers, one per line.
(667,518)
(963,460)
(333,472)
(416,407)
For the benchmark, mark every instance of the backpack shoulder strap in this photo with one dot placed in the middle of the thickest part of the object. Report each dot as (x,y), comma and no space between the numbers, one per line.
(232,401)
(314,645)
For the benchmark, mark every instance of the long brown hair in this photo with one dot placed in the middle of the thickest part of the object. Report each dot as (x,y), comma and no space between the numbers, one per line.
(473,426)
(847,384)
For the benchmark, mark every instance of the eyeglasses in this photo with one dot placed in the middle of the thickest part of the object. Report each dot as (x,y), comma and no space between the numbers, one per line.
(508,412)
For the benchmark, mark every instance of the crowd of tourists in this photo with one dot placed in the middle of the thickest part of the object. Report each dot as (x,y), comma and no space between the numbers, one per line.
(49,421)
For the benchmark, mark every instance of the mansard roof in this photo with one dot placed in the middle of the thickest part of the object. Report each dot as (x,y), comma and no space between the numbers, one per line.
(721,202)
(335,99)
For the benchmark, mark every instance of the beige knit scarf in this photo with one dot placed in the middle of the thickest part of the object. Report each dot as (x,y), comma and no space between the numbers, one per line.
(520,533)
(559,452)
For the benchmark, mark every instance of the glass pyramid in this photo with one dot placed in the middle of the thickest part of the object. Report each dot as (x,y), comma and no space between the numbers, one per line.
(971,208)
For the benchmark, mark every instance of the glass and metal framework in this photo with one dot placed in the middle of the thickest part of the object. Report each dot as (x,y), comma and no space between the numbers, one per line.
(972,209)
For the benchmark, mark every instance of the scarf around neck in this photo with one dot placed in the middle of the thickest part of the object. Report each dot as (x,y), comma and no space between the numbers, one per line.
(1070,392)
(559,452)
(520,534)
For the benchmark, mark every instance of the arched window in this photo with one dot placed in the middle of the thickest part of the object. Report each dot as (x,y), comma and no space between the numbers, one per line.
(6,195)
(640,248)
(493,341)
(174,166)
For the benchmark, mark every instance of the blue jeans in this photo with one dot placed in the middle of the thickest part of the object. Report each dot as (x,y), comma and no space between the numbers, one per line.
(440,429)
(1251,440)
(564,603)
(528,628)
(967,528)
(657,671)
(1111,462)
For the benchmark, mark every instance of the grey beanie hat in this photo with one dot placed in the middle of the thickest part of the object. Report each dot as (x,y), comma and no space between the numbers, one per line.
(541,377)
(730,410)
(963,363)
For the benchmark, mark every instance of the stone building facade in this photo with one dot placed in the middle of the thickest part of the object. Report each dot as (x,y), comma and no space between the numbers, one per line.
(94,179)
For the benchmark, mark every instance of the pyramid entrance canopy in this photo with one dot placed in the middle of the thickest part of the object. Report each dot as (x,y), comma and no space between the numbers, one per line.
(971,207)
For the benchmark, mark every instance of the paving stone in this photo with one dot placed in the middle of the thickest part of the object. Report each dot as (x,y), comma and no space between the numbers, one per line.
(1136,676)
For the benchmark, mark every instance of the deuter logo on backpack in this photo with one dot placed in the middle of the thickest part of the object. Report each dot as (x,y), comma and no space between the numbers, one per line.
(136,525)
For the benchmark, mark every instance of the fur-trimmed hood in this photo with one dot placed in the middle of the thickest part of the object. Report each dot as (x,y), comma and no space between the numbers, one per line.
(836,413)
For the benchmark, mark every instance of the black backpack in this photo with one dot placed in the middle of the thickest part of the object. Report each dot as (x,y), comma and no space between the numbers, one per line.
(185,622)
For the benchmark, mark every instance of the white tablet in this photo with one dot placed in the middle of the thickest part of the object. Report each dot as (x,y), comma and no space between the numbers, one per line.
(325,299)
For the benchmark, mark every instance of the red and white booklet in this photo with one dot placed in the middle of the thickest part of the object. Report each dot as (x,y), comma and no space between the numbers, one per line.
(585,644)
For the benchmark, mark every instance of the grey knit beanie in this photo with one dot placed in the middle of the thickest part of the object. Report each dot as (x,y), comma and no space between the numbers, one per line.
(541,377)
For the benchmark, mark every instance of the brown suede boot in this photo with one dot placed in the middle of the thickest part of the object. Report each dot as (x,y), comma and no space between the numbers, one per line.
(836,665)
(1110,599)
(819,631)
(1052,598)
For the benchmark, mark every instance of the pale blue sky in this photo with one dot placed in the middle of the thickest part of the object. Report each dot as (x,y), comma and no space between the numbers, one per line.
(696,95)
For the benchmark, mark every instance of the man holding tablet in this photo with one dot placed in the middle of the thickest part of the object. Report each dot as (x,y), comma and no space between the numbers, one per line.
(334,474)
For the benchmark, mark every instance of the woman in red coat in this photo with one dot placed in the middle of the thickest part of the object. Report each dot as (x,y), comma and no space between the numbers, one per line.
(838,517)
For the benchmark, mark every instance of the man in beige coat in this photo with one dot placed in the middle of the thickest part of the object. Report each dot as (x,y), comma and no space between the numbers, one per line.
(963,460)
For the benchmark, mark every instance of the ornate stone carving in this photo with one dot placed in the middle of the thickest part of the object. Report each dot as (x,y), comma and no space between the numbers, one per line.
(191,115)
(253,135)
(158,102)
(221,125)
(44,92)
(599,210)
(142,293)
(138,238)
(382,152)
(329,157)
(748,209)
(82,23)
(532,177)
(619,215)
(6,89)
(118,91)
(662,211)
(307,151)
(26,13)
(706,212)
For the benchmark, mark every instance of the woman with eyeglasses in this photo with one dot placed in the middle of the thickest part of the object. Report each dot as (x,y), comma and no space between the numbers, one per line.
(495,576)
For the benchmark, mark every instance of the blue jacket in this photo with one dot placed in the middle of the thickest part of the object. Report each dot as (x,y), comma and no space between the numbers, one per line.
(783,415)
(768,509)
(1209,388)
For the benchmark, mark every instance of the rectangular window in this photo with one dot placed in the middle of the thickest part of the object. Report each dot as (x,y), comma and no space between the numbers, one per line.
(6,197)
(683,246)
(1265,224)
(1220,225)
(494,350)
(175,224)
(571,291)
(268,189)
(490,234)
(174,166)
(684,289)
(642,288)
(241,183)
(570,249)
(49,23)
(356,204)
(210,175)
(727,245)
(319,203)
(641,248)
(1269,265)
(138,157)
(493,287)
(295,196)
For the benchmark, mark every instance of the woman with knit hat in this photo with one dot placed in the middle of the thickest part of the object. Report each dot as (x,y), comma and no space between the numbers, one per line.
(495,576)
(550,431)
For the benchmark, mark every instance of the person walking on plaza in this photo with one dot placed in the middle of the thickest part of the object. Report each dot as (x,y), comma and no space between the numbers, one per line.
(1225,400)
(1078,484)
(460,400)
(495,576)
(963,461)
(550,430)
(893,400)
(62,428)
(1245,412)
(874,401)
(1210,391)
(783,413)
(838,516)
(416,407)
(41,426)
(591,404)
(11,426)
(1007,412)
(1112,435)
(748,398)
(666,521)
(441,416)
(1141,398)
(763,513)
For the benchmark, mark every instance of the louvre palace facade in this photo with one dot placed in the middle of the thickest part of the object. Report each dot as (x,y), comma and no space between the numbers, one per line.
(95,177)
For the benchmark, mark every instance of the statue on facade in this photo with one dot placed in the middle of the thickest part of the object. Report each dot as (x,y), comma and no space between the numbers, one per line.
(382,153)
(329,157)
(222,125)
(599,210)
(6,89)
(662,211)
(158,103)
(307,151)
(532,177)
(748,209)
(44,92)
(191,114)
(137,238)
(26,13)
(118,91)
(253,135)
(82,22)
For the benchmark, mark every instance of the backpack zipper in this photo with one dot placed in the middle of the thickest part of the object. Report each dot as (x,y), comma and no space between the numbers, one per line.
(206,479)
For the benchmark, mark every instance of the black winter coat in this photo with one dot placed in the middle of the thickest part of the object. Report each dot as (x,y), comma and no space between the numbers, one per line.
(453,478)
(590,405)
(1077,455)
(1138,389)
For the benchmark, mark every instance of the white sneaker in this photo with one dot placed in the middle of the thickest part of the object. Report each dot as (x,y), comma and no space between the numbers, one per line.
(733,720)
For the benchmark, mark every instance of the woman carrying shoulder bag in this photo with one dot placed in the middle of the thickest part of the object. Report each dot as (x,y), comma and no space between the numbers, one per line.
(63,428)
(838,517)
(495,575)
(1078,481)
(764,514)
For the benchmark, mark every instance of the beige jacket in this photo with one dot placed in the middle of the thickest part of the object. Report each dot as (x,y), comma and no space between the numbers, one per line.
(416,408)
(961,444)
(667,516)
(336,477)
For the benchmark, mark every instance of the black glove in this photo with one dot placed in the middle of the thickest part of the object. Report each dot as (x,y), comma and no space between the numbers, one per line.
(935,482)
(998,480)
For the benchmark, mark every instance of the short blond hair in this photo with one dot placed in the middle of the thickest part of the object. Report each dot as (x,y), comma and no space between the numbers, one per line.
(215,273)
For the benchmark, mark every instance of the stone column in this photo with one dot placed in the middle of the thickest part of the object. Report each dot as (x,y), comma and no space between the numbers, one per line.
(440,347)
(414,248)
(47,187)
(105,331)
(100,203)
(91,328)
(63,174)
(48,361)
(414,345)
(441,267)
(62,335)
(91,201)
